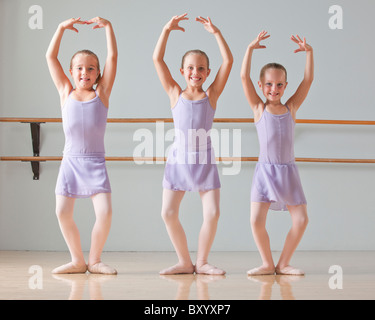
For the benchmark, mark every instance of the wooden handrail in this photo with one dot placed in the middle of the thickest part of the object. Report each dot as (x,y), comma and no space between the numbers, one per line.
(169,120)
(35,135)
(242,159)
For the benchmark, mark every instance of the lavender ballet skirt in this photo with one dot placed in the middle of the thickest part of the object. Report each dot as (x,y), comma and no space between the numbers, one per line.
(82,177)
(197,172)
(278,184)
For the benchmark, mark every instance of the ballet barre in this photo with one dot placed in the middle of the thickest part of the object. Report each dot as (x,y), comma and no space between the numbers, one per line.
(170,120)
(35,135)
(154,159)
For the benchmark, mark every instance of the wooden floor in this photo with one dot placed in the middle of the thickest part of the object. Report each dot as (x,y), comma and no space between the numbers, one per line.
(26,275)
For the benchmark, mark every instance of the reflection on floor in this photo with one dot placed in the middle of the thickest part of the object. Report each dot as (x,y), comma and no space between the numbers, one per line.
(329,275)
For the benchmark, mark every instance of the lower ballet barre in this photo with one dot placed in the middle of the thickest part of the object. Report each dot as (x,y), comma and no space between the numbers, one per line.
(35,135)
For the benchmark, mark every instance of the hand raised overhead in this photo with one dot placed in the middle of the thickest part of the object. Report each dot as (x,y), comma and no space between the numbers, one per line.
(208,25)
(255,44)
(173,24)
(100,22)
(69,24)
(303,46)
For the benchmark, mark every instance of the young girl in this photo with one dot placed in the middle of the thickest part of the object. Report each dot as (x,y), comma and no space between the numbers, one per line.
(83,172)
(276,183)
(192,167)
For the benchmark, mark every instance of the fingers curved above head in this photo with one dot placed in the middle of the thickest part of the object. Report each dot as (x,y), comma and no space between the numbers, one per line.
(263,35)
(295,40)
(201,19)
(182,16)
(95,20)
(76,21)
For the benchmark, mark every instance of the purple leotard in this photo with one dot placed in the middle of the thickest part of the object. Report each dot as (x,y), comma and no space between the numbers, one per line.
(82,171)
(276,178)
(191,162)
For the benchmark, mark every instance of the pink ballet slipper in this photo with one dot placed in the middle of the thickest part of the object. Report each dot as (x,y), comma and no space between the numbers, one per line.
(209,269)
(177,269)
(70,268)
(101,268)
(260,271)
(289,270)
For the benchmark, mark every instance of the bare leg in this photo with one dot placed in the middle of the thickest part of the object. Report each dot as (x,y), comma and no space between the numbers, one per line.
(103,211)
(170,210)
(211,213)
(258,217)
(64,213)
(299,224)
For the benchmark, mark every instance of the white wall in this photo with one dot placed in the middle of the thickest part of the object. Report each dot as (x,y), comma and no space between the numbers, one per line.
(340,197)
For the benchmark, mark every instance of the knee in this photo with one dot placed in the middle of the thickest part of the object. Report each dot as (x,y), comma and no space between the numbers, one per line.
(169,214)
(304,221)
(257,221)
(104,214)
(301,221)
(63,214)
(212,215)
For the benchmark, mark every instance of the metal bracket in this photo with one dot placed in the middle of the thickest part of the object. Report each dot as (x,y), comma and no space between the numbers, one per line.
(35,169)
(35,138)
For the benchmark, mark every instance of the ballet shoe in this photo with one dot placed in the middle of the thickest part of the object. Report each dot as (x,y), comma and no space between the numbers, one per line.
(70,268)
(101,268)
(209,270)
(260,271)
(176,269)
(289,270)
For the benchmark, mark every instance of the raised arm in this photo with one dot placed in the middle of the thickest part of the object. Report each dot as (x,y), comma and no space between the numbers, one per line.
(58,75)
(168,83)
(107,79)
(252,97)
(217,86)
(300,95)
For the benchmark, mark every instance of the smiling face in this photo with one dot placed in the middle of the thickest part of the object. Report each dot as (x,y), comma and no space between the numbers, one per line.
(84,70)
(273,84)
(195,69)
